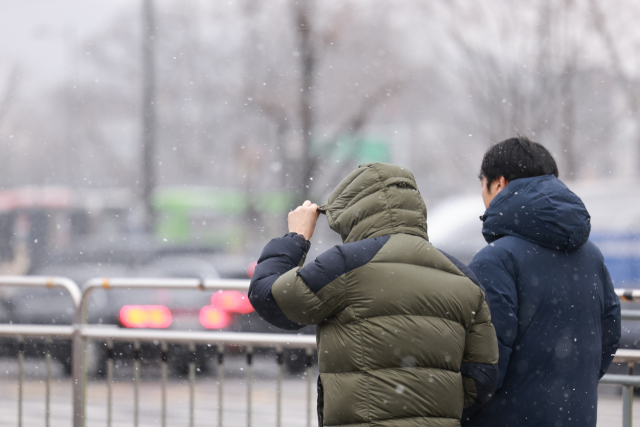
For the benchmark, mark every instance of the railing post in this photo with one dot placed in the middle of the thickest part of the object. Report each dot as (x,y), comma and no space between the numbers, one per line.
(77,370)
(193,358)
(136,382)
(627,400)
(220,349)
(627,405)
(249,385)
(164,356)
(78,360)
(309,365)
(20,378)
(110,362)
(280,362)
(47,397)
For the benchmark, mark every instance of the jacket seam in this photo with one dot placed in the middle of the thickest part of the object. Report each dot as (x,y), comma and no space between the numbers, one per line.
(482,302)
(400,418)
(398,209)
(461,275)
(366,371)
(410,315)
(386,196)
(426,266)
(396,368)
(343,276)
(476,363)
(364,365)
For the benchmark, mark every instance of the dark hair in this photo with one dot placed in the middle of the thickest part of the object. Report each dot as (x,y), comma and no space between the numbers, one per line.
(516,158)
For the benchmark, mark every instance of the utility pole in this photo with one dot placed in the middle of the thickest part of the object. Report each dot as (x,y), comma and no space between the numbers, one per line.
(307,115)
(148,114)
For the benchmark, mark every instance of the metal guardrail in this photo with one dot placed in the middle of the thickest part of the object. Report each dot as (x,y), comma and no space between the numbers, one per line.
(630,314)
(80,332)
(44,331)
(45,282)
(630,357)
(249,341)
(80,342)
(628,295)
(628,382)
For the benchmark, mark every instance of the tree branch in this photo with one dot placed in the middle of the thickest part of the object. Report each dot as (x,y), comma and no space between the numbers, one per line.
(600,24)
(357,121)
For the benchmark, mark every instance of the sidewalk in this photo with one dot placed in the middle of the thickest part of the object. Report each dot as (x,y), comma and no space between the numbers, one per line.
(610,407)
(294,410)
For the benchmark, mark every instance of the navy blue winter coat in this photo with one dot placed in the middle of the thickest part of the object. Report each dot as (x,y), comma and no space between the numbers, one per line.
(552,303)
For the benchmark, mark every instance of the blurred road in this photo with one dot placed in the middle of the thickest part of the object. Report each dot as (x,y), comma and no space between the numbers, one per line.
(264,390)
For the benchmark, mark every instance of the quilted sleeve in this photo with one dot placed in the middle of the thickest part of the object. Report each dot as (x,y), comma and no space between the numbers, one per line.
(480,361)
(310,295)
(280,256)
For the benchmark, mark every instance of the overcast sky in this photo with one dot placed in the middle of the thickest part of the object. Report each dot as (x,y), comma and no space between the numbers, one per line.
(38,35)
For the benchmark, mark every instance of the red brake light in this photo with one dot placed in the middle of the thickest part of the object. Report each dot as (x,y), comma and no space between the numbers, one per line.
(214,318)
(232,301)
(251,268)
(145,316)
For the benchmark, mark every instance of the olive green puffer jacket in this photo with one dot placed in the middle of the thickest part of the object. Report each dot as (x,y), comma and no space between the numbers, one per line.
(404,337)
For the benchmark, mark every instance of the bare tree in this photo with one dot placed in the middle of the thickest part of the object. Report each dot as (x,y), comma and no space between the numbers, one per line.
(628,85)
(260,97)
(306,53)
(526,82)
(321,40)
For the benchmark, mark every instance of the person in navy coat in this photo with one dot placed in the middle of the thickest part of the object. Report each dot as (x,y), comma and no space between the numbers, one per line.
(552,302)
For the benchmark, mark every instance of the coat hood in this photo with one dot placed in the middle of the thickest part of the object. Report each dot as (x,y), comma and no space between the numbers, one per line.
(541,210)
(377,199)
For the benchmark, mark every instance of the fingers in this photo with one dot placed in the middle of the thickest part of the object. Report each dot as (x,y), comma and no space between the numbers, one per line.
(303,219)
(306,204)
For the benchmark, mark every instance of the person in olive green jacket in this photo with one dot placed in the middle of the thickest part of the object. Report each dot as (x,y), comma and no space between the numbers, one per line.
(404,335)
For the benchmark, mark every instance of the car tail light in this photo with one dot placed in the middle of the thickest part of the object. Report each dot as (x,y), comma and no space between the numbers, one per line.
(251,268)
(145,316)
(232,301)
(214,318)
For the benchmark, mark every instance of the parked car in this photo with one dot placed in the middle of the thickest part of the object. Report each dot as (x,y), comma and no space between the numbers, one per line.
(37,306)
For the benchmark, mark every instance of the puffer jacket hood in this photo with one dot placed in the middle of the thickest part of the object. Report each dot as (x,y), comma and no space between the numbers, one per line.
(377,199)
(541,210)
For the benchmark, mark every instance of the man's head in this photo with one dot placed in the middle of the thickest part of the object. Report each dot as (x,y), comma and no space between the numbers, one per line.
(511,159)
